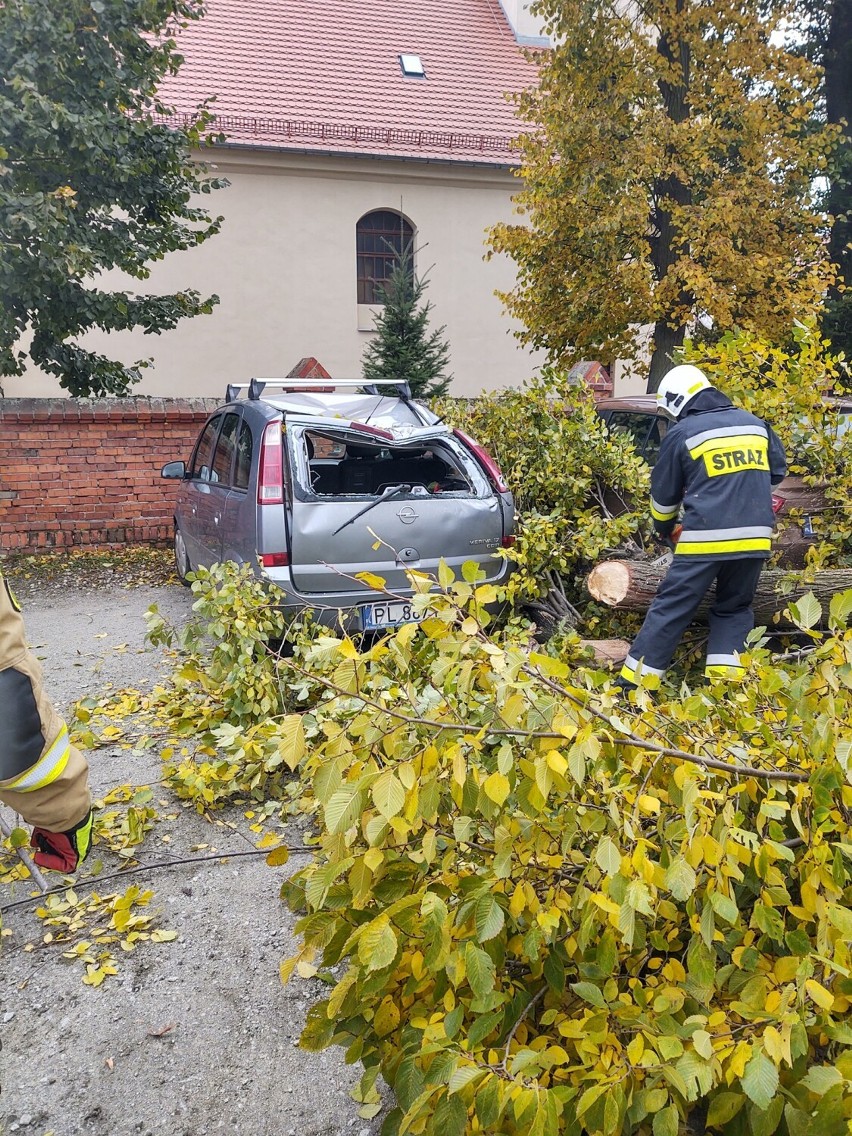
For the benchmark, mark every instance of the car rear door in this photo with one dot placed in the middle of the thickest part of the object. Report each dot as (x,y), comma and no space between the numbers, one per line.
(195,523)
(239,519)
(389,504)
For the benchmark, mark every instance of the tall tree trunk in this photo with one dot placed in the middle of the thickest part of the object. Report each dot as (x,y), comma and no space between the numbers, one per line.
(666,339)
(838,106)
(669,189)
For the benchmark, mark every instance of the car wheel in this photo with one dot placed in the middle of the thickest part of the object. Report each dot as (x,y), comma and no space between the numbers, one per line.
(182,564)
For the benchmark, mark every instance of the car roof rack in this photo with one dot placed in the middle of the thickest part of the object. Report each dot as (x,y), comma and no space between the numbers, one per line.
(257,386)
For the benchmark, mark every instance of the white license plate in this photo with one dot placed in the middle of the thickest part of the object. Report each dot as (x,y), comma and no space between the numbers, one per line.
(390,614)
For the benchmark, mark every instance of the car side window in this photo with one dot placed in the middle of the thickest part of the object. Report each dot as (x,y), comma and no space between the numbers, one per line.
(646,431)
(202,459)
(242,470)
(224,455)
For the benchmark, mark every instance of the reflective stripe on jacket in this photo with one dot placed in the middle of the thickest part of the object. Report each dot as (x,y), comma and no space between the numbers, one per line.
(718,464)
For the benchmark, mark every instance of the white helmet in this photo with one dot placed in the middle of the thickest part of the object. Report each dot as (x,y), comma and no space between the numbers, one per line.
(678,387)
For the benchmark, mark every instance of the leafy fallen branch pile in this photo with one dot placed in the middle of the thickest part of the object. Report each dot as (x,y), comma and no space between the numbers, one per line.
(542,910)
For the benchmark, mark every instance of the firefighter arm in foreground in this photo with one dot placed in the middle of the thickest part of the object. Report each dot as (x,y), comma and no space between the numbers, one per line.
(667,487)
(42,776)
(777,457)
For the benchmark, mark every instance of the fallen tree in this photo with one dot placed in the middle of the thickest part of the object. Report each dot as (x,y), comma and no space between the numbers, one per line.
(630,585)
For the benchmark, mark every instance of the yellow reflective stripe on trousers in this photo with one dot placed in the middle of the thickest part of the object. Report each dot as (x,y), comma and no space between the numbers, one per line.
(636,671)
(722,671)
(48,767)
(685,547)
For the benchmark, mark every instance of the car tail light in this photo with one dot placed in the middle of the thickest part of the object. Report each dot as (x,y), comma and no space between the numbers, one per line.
(778,503)
(274,559)
(270,482)
(485,460)
(508,541)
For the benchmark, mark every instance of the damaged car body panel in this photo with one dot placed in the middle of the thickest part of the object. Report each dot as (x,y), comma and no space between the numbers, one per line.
(420,498)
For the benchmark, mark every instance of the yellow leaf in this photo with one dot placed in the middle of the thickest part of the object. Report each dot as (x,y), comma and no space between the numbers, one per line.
(386,1019)
(648,804)
(823,998)
(373,581)
(557,762)
(496,788)
(278,856)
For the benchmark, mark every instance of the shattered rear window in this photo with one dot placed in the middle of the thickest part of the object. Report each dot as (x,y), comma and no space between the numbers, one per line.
(339,468)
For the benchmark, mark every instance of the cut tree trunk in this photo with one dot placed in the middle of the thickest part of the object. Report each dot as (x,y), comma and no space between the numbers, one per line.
(608,650)
(630,585)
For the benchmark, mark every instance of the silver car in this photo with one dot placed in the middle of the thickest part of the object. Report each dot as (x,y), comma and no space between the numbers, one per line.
(327,479)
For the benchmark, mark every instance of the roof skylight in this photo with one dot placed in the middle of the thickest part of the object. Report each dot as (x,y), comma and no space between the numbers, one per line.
(412,65)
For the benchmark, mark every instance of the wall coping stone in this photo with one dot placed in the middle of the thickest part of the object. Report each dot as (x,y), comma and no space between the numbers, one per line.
(104,409)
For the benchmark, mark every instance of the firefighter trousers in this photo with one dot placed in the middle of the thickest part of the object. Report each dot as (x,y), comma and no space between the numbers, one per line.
(42,776)
(675,604)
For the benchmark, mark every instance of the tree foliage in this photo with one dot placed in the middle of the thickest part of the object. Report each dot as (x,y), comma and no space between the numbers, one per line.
(542,911)
(579,491)
(91,180)
(668,176)
(404,348)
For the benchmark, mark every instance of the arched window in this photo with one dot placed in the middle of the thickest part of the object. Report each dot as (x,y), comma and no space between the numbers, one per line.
(380,237)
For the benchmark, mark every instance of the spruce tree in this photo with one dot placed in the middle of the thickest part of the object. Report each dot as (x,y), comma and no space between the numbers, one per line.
(404,348)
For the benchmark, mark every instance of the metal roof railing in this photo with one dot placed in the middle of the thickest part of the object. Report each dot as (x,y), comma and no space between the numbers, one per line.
(256,387)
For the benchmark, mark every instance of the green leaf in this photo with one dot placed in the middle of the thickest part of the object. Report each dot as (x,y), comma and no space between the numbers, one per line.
(344,808)
(806,613)
(701,970)
(840,609)
(680,879)
(589,993)
(760,1080)
(666,1122)
(480,970)
(820,1078)
(487,1102)
(723,1108)
(489,917)
(450,1118)
(464,1075)
(608,857)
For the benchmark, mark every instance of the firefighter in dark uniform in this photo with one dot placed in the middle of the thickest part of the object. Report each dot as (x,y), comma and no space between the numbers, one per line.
(42,776)
(716,466)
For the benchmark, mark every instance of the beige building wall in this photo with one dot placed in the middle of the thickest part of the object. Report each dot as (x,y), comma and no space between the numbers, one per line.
(284,267)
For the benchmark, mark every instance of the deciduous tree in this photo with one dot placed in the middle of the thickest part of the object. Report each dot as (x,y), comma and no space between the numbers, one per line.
(668,177)
(829,39)
(91,179)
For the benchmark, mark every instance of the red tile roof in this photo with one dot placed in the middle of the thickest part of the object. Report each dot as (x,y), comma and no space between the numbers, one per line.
(325,75)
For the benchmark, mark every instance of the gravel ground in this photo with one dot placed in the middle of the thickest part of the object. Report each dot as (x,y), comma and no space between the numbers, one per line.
(193,1036)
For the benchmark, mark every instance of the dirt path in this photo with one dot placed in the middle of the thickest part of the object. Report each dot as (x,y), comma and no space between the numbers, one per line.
(193,1036)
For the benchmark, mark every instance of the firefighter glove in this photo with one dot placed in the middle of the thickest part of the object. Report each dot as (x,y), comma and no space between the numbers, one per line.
(63,851)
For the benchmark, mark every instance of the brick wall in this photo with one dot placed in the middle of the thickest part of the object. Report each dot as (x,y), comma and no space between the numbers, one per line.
(87,471)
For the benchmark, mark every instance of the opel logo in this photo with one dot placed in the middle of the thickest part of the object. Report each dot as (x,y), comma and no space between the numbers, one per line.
(407,515)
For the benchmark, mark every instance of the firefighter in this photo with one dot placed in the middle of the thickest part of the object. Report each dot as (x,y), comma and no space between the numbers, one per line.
(716,466)
(42,776)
